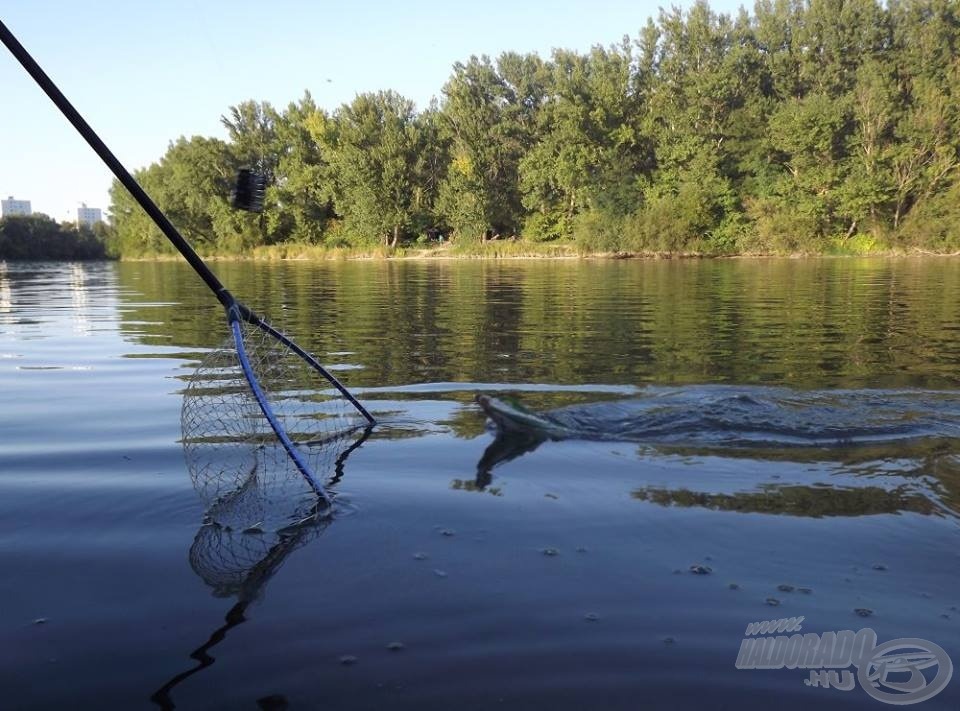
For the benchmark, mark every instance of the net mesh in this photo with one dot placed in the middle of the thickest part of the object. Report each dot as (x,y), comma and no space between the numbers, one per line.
(236,461)
(240,562)
(248,533)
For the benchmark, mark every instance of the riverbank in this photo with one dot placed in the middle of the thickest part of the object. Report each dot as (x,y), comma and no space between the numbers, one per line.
(519,249)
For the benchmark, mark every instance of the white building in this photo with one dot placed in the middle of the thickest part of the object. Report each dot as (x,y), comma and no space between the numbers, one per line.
(88,216)
(14,207)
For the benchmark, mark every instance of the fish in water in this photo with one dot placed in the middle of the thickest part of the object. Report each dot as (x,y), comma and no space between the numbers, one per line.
(730,416)
(913,433)
(509,415)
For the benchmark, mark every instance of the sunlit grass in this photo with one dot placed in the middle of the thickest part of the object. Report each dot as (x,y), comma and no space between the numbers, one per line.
(839,246)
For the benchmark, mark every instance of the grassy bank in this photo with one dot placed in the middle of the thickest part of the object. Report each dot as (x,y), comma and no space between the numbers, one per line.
(857,246)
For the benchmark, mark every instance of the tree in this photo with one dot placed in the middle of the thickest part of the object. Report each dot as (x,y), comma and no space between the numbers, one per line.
(789,129)
(807,135)
(302,207)
(867,191)
(134,233)
(488,121)
(372,147)
(694,92)
(191,184)
(39,237)
(589,153)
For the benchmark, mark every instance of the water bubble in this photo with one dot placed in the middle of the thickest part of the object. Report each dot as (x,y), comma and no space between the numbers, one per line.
(698,569)
(420,556)
(440,573)
(550,551)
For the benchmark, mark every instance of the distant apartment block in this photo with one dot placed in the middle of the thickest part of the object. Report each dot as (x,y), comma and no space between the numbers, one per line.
(10,207)
(88,216)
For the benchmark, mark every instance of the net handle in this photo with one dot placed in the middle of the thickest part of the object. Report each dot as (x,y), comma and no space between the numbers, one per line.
(157,215)
(252,318)
(111,161)
(267,410)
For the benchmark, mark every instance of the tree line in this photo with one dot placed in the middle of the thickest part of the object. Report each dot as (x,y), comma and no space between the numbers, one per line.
(36,237)
(804,125)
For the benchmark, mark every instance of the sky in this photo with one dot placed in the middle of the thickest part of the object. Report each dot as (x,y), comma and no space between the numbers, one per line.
(144,73)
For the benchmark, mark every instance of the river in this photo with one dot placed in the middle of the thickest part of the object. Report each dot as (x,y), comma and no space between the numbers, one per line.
(458,569)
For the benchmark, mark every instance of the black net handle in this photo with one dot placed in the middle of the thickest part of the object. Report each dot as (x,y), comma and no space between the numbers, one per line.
(139,194)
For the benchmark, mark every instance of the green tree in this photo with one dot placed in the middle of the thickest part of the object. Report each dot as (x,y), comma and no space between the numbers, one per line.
(589,153)
(302,207)
(787,129)
(488,120)
(372,147)
(191,184)
(690,200)
(133,232)
(38,237)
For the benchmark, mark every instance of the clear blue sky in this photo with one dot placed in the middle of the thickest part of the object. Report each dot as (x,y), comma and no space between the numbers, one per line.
(144,73)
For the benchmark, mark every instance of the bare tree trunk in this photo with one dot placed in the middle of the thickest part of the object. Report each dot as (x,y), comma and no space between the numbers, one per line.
(853,228)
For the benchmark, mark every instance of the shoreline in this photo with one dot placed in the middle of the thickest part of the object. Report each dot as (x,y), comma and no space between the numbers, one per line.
(312,254)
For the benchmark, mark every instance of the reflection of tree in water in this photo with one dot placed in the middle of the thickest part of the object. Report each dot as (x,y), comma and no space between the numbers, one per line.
(6,304)
(236,557)
(928,472)
(31,292)
(842,323)
(794,500)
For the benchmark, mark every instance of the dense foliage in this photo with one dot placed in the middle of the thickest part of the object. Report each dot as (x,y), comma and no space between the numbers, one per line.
(39,237)
(806,125)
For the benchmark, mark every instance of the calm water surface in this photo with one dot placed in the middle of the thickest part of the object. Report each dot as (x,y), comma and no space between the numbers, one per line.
(551,574)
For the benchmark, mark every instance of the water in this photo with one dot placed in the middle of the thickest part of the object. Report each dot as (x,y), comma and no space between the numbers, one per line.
(513,574)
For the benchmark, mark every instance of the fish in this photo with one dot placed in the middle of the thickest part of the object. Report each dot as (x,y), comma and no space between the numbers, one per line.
(511,416)
(740,416)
